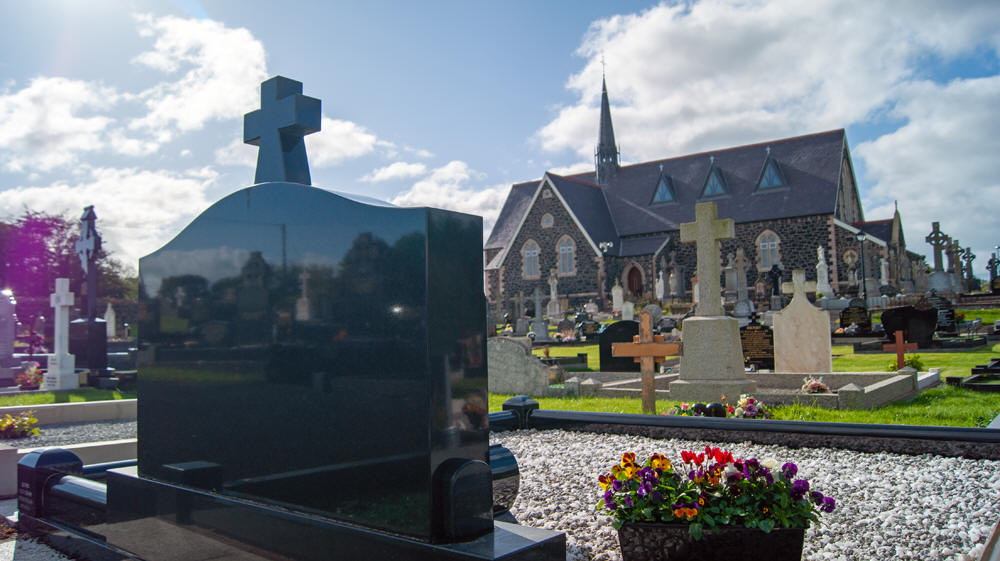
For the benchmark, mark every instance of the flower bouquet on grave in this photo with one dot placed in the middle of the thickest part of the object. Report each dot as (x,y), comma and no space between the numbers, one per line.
(710,503)
(31,378)
(814,385)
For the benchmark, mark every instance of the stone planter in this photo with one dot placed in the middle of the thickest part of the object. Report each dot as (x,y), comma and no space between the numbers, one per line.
(645,541)
(28,387)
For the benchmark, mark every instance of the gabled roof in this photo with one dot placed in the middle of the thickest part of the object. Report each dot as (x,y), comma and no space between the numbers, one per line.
(810,165)
(881,229)
(510,215)
(640,246)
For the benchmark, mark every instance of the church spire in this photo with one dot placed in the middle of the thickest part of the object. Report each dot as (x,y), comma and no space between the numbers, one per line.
(606,156)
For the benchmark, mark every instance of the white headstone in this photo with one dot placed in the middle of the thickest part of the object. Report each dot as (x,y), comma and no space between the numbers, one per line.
(659,286)
(553,310)
(61,373)
(883,271)
(823,275)
(628,311)
(675,284)
(617,297)
(8,328)
(801,332)
(110,322)
(302,304)
(590,308)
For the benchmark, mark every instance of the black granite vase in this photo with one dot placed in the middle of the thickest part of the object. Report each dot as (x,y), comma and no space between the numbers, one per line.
(648,541)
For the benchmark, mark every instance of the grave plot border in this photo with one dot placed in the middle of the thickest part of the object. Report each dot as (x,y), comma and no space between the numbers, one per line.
(972,443)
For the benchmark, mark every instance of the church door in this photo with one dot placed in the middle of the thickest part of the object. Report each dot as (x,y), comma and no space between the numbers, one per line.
(635,281)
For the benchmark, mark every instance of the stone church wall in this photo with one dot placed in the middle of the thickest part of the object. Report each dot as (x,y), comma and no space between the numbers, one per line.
(579,287)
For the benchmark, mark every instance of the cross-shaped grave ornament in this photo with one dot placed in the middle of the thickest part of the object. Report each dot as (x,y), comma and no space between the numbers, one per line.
(89,242)
(798,286)
(954,250)
(900,347)
(938,240)
(707,231)
(968,257)
(278,127)
(647,349)
(741,263)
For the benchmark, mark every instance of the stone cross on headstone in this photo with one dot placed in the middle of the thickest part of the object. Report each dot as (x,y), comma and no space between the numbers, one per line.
(646,349)
(741,263)
(537,297)
(900,347)
(968,257)
(992,265)
(61,373)
(707,231)
(660,286)
(278,127)
(87,246)
(798,286)
(937,239)
(954,250)
(553,311)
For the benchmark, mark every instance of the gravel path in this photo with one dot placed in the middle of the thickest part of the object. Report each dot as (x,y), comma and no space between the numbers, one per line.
(889,506)
(76,433)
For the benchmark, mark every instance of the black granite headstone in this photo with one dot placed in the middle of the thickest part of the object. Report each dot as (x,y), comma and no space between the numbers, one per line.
(589,329)
(758,345)
(857,315)
(917,325)
(371,411)
(618,332)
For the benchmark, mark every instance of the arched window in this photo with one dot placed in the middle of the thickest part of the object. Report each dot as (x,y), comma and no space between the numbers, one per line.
(567,248)
(530,255)
(547,220)
(768,250)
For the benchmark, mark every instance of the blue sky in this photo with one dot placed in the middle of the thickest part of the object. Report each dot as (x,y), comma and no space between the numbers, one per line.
(136,107)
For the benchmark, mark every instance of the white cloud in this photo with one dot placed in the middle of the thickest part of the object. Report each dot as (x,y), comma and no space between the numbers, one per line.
(338,141)
(684,78)
(136,209)
(446,188)
(572,169)
(419,152)
(237,153)
(49,122)
(941,165)
(225,68)
(395,170)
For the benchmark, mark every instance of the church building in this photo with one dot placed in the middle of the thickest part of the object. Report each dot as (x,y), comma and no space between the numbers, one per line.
(790,198)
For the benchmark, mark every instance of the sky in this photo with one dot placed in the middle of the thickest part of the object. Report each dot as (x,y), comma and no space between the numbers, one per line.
(136,107)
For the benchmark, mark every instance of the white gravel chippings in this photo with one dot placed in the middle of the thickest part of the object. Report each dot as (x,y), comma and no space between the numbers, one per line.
(889,506)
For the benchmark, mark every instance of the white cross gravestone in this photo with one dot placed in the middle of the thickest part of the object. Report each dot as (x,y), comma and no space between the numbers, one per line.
(110,322)
(660,286)
(801,331)
(712,357)
(61,373)
(8,331)
(553,311)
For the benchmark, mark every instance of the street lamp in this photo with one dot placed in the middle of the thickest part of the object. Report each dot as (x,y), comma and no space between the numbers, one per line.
(861,242)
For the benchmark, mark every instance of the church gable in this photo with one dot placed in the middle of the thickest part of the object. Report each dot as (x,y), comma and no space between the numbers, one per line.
(848,201)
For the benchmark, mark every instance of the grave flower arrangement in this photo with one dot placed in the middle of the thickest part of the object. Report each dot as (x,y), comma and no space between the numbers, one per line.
(709,490)
(814,385)
(30,377)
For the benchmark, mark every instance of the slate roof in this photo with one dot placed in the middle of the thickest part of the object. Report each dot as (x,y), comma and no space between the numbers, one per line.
(881,229)
(810,165)
(640,246)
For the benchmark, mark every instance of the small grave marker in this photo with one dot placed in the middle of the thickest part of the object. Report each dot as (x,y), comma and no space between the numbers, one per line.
(900,346)
(646,349)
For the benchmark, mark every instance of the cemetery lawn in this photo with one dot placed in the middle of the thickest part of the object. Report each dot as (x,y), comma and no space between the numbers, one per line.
(955,363)
(593,354)
(941,406)
(72,396)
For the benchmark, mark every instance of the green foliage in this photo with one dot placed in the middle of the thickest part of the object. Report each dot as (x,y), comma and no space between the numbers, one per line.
(18,426)
(710,489)
(913,361)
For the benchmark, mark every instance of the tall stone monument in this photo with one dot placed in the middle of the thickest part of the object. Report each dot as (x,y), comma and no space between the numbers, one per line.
(744,307)
(553,311)
(712,357)
(61,372)
(89,335)
(954,252)
(938,280)
(110,322)
(539,326)
(823,275)
(617,297)
(801,331)
(968,276)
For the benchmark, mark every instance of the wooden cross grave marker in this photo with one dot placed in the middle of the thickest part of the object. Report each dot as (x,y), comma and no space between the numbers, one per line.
(900,347)
(646,349)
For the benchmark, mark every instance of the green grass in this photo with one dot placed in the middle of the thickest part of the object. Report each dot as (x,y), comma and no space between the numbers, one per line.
(940,406)
(989,316)
(71,396)
(956,363)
